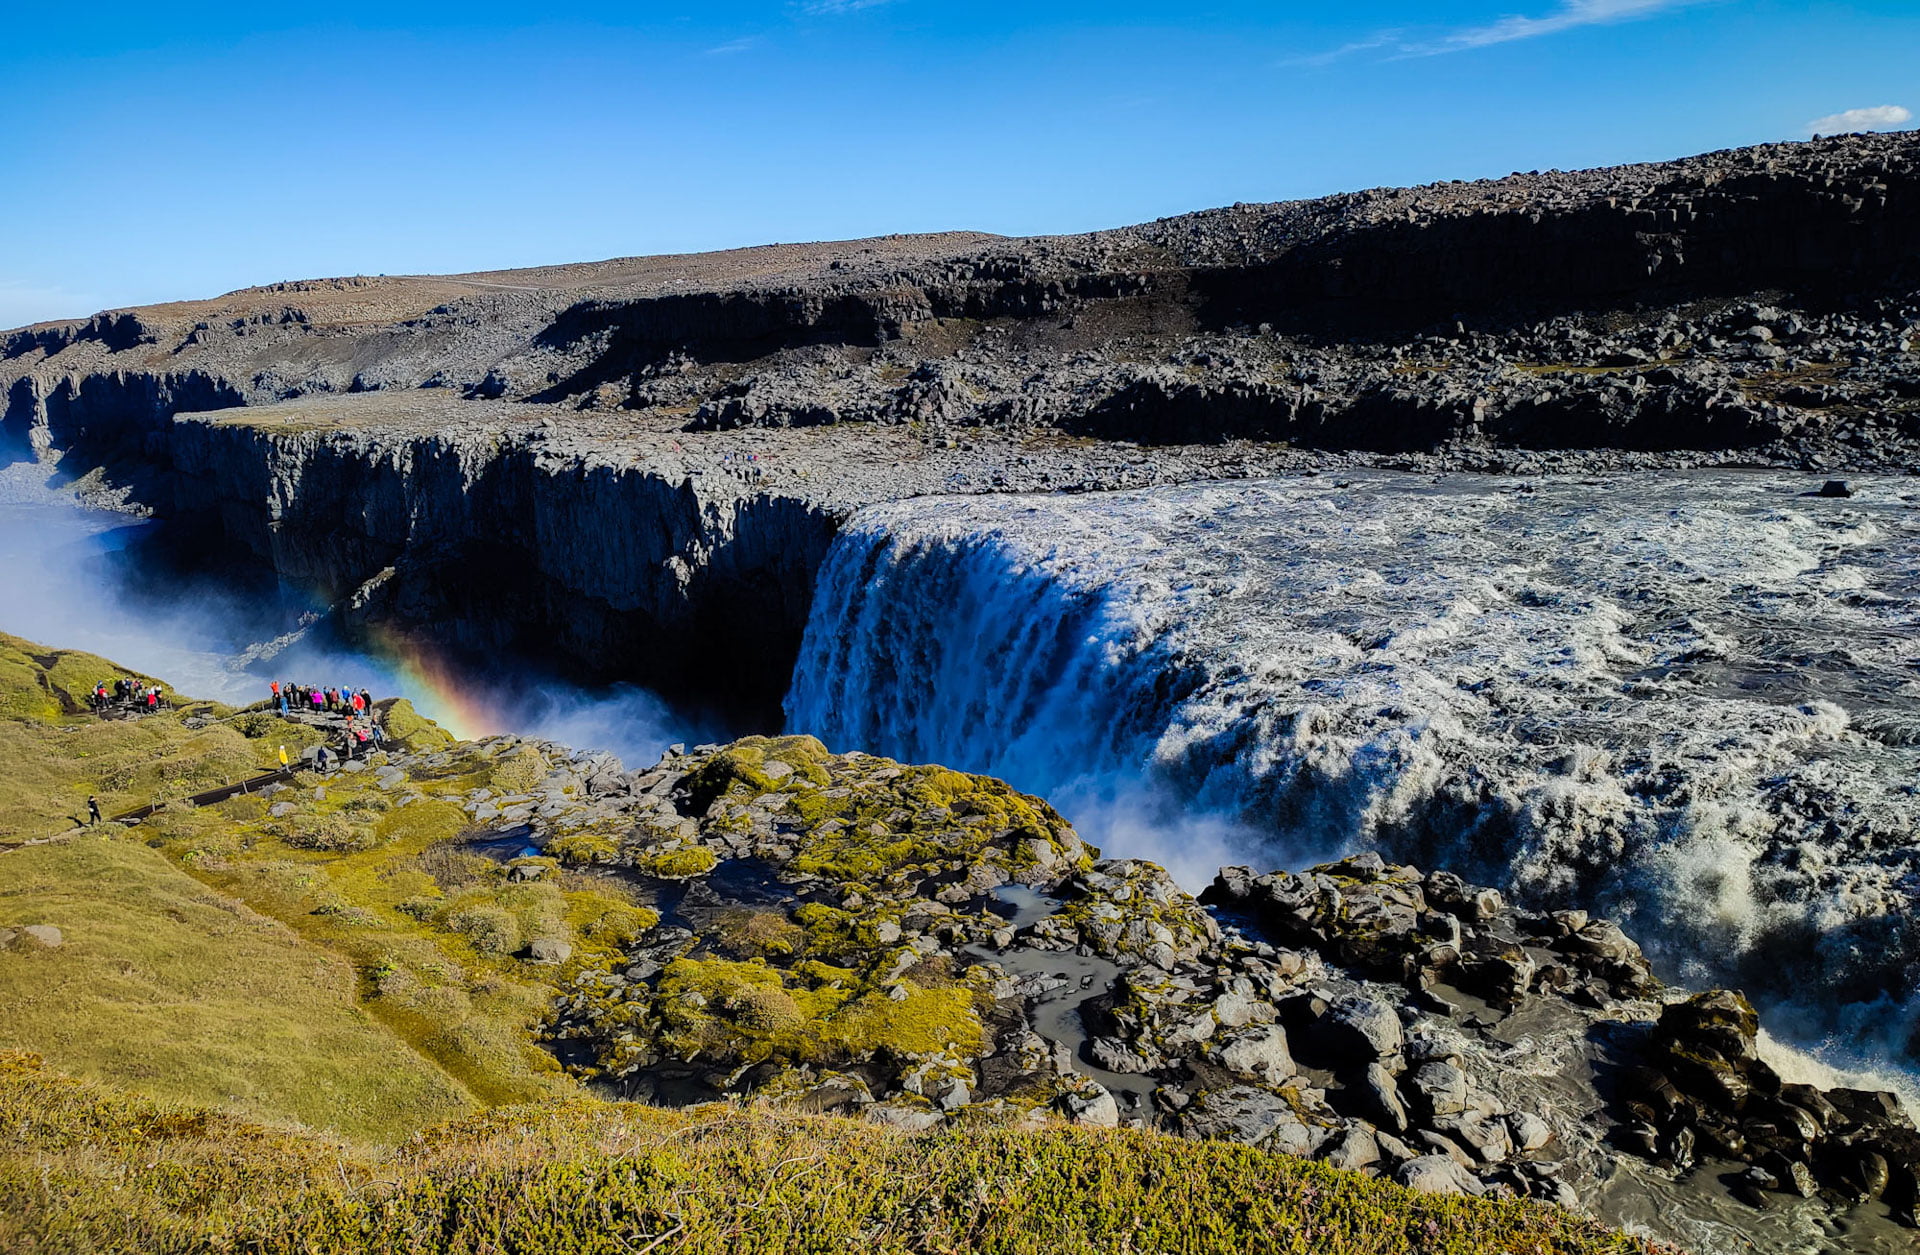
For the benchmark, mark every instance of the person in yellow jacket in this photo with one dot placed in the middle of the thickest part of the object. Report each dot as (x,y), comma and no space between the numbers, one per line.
(283,755)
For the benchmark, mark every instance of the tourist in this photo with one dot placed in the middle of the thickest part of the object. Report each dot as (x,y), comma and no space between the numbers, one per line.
(93,808)
(320,758)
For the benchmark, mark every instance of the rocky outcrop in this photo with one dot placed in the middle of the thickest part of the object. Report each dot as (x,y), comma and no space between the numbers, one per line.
(1702,1091)
(847,933)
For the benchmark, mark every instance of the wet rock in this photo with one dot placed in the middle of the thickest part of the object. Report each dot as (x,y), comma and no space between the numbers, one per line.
(1862,1174)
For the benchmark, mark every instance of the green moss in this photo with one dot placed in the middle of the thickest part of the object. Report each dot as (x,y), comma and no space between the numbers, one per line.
(682,864)
(924,1022)
(741,768)
(402,722)
(519,771)
(586,848)
(606,923)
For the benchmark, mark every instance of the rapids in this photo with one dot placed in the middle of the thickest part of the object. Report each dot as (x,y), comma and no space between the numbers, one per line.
(1686,700)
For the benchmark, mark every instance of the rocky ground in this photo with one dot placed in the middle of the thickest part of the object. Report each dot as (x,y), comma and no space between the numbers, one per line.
(922,947)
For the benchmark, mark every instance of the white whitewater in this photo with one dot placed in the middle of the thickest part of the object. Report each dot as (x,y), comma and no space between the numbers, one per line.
(1687,699)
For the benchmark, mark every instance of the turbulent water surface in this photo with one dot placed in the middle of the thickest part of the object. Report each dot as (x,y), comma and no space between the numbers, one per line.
(1684,699)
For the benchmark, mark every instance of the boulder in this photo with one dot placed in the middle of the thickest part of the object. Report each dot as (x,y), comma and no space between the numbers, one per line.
(1440,1089)
(1529,1131)
(1126,1058)
(1361,1030)
(44,934)
(549,950)
(1379,1098)
(1092,1105)
(1259,1053)
(1259,1117)
(1352,1150)
(911,1118)
(1437,1174)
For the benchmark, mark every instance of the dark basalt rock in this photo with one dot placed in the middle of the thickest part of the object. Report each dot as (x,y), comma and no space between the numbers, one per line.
(1703,1082)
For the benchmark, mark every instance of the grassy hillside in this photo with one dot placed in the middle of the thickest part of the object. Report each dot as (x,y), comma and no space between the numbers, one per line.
(56,753)
(163,985)
(91,1170)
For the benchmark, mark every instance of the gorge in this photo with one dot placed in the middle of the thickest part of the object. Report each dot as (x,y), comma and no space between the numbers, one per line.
(1478,526)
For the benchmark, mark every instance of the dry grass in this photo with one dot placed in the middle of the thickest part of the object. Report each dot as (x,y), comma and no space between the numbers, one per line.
(90,1172)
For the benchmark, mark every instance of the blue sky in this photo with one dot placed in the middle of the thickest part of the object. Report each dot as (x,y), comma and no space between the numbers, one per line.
(158,152)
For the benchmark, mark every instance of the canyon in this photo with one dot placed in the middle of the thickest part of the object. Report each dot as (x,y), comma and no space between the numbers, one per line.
(1551,531)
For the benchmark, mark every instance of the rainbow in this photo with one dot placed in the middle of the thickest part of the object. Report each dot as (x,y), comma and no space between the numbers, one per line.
(425,678)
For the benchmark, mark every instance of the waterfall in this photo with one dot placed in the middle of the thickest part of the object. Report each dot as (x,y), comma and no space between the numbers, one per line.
(954,645)
(1682,700)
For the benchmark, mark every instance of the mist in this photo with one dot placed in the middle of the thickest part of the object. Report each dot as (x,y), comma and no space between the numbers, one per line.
(77,578)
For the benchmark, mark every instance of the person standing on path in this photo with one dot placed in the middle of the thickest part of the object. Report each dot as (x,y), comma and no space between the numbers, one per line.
(93,811)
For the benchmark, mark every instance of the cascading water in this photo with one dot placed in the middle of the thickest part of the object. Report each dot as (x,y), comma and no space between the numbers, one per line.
(1681,699)
(956,644)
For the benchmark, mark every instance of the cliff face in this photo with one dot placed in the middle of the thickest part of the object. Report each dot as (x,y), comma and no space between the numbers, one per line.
(1758,305)
(489,544)
(1388,319)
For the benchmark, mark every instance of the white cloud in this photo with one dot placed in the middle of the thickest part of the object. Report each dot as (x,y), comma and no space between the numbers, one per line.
(24,303)
(831,8)
(1570,15)
(1851,120)
(732,46)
